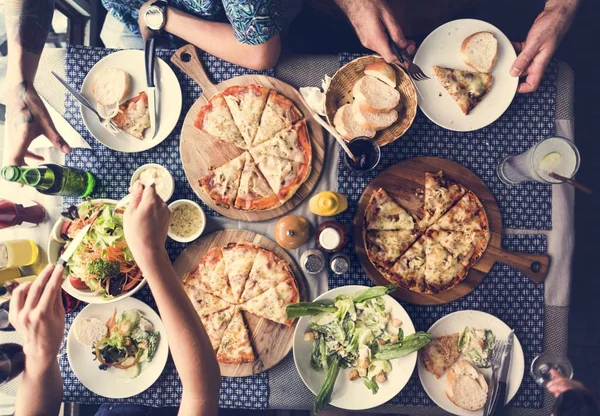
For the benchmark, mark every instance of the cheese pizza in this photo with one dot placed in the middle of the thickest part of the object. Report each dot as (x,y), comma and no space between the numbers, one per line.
(235,346)
(279,114)
(215,119)
(254,193)
(282,175)
(246,104)
(292,144)
(222,183)
(466,87)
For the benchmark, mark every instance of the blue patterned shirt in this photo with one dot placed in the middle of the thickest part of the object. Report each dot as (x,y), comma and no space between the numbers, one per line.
(253,21)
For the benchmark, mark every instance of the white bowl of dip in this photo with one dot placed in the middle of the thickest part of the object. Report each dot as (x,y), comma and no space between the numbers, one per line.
(187,220)
(159,176)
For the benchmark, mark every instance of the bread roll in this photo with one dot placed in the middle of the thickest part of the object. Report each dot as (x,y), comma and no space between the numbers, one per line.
(110,85)
(383,72)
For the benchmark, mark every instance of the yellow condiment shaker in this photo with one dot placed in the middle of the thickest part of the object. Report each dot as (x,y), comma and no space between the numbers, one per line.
(328,204)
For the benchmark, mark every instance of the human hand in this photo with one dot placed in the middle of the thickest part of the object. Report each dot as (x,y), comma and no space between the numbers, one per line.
(145,223)
(144,29)
(371,20)
(543,38)
(27,118)
(37,313)
(559,384)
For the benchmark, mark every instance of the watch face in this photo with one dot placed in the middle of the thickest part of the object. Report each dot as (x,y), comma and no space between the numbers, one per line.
(154,17)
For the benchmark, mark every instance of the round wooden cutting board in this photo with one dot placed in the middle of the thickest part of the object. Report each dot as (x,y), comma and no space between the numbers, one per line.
(271,341)
(405,182)
(200,151)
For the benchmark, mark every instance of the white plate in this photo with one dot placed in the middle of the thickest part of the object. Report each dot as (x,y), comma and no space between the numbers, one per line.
(442,48)
(168,104)
(53,250)
(354,395)
(115,383)
(456,322)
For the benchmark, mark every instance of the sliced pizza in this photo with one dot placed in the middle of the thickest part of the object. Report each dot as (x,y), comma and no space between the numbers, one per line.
(466,87)
(440,195)
(222,183)
(384,247)
(235,347)
(205,303)
(211,276)
(246,104)
(239,258)
(254,193)
(272,303)
(267,271)
(283,176)
(133,116)
(409,271)
(279,114)
(215,119)
(440,354)
(292,144)
(384,213)
(216,323)
(443,271)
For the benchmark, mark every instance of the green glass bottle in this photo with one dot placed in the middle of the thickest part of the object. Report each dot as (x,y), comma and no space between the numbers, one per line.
(51,179)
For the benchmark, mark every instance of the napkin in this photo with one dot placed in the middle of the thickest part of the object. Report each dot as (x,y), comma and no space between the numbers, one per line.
(66,131)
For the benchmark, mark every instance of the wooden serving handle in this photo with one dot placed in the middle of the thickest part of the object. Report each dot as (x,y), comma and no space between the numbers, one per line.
(534,266)
(186,58)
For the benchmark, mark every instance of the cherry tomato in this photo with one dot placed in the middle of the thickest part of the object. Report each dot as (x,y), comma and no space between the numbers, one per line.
(78,283)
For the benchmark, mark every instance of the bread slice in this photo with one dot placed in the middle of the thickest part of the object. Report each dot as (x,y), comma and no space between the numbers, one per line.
(466,387)
(110,85)
(89,331)
(375,95)
(440,354)
(370,120)
(480,51)
(383,72)
(346,125)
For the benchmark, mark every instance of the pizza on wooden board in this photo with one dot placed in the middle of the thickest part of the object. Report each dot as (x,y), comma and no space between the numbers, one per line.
(222,183)
(254,193)
(246,104)
(292,144)
(215,119)
(282,175)
(440,194)
(466,87)
(279,114)
(254,280)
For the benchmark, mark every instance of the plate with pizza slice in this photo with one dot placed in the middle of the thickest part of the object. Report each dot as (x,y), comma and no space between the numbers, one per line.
(460,95)
(240,284)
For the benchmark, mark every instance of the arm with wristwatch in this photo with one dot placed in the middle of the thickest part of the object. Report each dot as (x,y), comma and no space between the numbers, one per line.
(216,38)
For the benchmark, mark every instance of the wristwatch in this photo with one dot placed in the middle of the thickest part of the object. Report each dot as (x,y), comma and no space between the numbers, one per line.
(156,15)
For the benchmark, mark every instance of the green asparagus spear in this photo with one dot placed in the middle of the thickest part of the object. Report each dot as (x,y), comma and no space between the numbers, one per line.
(409,344)
(297,310)
(324,396)
(373,292)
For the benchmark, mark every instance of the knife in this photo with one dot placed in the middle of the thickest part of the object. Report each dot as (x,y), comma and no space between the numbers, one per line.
(499,381)
(68,253)
(150,55)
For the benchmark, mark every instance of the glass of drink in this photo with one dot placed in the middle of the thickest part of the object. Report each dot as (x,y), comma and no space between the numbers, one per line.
(366,151)
(12,361)
(543,363)
(18,253)
(552,155)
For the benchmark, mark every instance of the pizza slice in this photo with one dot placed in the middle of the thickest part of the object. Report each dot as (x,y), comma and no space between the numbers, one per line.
(283,176)
(440,354)
(235,347)
(133,116)
(215,119)
(292,144)
(272,303)
(409,271)
(466,87)
(440,194)
(443,271)
(212,277)
(239,258)
(279,114)
(222,183)
(254,193)
(216,324)
(384,247)
(267,271)
(204,303)
(246,104)
(384,213)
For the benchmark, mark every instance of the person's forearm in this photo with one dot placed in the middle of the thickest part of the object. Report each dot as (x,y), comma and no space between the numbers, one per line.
(40,389)
(565,8)
(190,346)
(218,39)
(27,26)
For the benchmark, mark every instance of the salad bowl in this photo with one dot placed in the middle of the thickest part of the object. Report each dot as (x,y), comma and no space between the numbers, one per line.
(55,246)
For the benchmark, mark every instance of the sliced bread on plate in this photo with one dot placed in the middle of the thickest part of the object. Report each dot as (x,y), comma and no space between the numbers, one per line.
(346,125)
(466,387)
(370,120)
(480,51)
(375,95)
(383,72)
(110,85)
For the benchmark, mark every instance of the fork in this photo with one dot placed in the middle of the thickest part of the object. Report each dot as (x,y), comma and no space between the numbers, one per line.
(497,355)
(413,69)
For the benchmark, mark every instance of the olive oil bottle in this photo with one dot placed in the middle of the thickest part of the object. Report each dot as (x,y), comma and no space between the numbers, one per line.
(51,179)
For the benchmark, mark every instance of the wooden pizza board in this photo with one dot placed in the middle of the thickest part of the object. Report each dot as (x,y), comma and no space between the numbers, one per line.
(271,341)
(405,182)
(199,151)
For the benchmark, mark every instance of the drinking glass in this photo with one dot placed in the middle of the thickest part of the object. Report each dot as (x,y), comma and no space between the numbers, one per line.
(367,151)
(532,165)
(546,361)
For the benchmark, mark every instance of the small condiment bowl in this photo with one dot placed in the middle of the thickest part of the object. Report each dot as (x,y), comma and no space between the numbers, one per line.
(138,172)
(198,232)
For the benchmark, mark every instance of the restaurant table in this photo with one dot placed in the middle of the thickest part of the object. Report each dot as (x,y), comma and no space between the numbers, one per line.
(286,389)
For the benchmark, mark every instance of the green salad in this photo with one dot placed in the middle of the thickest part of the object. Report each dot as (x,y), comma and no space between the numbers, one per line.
(355,332)
(476,345)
